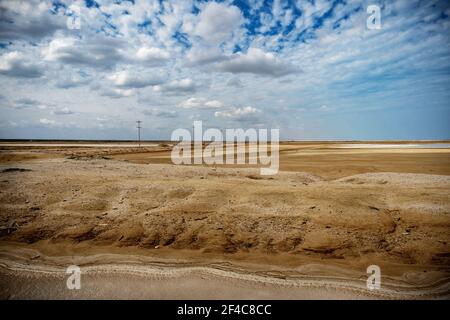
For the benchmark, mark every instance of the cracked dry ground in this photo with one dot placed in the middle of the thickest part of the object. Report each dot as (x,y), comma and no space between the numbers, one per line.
(398,218)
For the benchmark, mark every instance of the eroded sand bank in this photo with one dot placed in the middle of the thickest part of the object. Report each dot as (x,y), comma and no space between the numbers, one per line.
(28,274)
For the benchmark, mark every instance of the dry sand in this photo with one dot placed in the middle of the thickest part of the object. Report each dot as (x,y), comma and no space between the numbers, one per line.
(142,228)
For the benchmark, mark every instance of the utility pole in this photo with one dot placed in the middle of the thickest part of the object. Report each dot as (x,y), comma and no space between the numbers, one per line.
(139,131)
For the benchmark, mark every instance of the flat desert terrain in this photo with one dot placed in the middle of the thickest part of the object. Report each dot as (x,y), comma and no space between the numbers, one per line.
(141,227)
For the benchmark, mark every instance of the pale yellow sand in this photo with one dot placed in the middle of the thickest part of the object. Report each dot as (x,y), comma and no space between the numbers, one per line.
(348,209)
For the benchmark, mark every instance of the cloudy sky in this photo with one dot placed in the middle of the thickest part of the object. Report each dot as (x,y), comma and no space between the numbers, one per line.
(313,69)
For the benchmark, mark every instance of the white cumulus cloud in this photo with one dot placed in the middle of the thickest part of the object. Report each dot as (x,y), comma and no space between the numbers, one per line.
(15,64)
(152,55)
(244,113)
(217,22)
(192,103)
(47,122)
(257,61)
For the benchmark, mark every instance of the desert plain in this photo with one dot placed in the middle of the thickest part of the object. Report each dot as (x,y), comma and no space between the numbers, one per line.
(140,227)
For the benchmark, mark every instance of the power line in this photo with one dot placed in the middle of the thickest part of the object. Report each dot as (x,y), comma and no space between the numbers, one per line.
(139,131)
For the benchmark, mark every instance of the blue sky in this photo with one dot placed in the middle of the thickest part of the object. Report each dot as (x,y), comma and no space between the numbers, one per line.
(310,68)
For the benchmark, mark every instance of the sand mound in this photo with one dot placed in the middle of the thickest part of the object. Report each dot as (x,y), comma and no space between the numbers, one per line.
(404,179)
(400,217)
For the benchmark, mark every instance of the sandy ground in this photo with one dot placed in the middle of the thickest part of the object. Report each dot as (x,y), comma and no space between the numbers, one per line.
(27,274)
(142,228)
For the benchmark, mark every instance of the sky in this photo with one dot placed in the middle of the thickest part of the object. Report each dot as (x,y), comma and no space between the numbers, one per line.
(313,69)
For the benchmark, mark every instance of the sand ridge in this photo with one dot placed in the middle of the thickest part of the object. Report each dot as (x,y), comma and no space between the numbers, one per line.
(111,202)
